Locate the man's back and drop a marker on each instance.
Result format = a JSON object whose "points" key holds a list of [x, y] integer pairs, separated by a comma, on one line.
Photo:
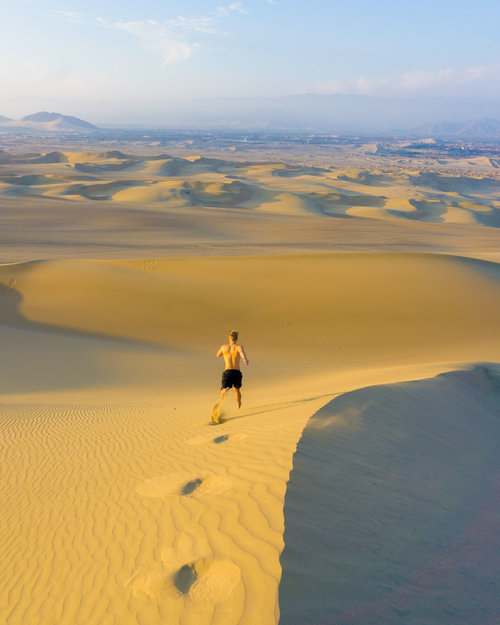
{"points": [[232, 353]]}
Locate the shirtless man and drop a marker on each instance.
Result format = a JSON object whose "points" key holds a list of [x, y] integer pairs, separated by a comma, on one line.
{"points": [[231, 376]]}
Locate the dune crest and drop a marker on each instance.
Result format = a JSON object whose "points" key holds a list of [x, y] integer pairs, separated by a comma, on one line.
{"points": [[391, 506]]}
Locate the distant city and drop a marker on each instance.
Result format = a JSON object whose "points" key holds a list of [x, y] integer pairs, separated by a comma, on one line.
{"points": [[57, 131]]}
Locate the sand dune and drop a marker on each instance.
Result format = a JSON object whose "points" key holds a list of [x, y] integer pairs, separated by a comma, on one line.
{"points": [[376, 305], [392, 505], [121, 501], [267, 186]]}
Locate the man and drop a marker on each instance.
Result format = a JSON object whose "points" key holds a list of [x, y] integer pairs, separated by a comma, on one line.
{"points": [[232, 376]]}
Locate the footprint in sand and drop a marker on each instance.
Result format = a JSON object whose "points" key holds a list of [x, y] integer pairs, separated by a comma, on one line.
{"points": [[222, 438], [191, 486], [202, 581], [184, 484], [207, 581], [186, 571], [237, 436]]}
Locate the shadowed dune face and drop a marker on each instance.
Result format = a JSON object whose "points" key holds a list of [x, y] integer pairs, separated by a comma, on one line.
{"points": [[293, 172], [102, 168], [462, 185], [42, 357], [338, 204], [392, 506], [424, 211], [30, 180], [367, 178], [267, 186]]}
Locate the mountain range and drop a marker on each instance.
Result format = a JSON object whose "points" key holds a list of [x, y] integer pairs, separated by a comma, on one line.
{"points": [[343, 115], [478, 129], [316, 113]]}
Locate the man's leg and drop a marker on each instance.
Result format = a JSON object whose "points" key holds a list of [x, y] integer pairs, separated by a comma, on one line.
{"points": [[238, 397]]}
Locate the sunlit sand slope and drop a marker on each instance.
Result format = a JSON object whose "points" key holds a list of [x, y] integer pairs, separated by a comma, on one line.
{"points": [[139, 512], [391, 512], [334, 310], [119, 502]]}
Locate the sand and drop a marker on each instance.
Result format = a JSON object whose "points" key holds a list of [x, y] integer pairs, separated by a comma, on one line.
{"points": [[413, 500], [358, 482]]}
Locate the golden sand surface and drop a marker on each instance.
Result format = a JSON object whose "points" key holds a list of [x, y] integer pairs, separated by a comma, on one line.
{"points": [[343, 489], [113, 204]]}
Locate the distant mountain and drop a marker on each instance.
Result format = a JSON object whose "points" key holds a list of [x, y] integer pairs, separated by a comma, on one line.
{"points": [[5, 119], [478, 129], [335, 113], [46, 122], [59, 120]]}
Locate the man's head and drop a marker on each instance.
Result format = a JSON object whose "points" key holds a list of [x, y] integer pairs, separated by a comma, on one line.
{"points": [[233, 336]]}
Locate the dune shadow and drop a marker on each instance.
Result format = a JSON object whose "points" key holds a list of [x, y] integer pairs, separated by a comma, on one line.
{"points": [[432, 212], [10, 301], [392, 505], [42, 357], [466, 186], [11, 315]]}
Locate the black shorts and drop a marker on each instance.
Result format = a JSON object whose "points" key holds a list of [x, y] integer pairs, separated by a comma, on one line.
{"points": [[231, 377]]}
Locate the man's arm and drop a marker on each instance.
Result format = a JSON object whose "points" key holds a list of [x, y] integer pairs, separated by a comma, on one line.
{"points": [[243, 355], [220, 352]]}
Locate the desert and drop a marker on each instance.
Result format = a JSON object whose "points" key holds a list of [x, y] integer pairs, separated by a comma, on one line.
{"points": [[358, 483]]}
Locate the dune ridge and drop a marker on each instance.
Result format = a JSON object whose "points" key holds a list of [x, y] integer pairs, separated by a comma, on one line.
{"points": [[391, 507]]}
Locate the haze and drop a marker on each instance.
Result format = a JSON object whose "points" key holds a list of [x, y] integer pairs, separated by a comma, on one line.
{"points": [[139, 63]]}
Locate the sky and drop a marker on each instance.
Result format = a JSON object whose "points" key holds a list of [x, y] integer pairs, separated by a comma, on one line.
{"points": [[108, 58]]}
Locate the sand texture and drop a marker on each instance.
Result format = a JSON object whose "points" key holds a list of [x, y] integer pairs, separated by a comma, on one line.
{"points": [[358, 483]]}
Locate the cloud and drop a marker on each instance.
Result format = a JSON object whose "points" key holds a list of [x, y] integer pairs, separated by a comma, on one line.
{"points": [[231, 8], [175, 39], [164, 37], [170, 38], [172, 49], [72, 16], [412, 83]]}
